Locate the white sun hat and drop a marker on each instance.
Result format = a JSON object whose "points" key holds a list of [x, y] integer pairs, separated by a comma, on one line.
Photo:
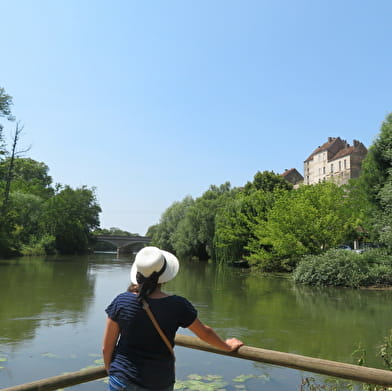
{"points": [[151, 259]]}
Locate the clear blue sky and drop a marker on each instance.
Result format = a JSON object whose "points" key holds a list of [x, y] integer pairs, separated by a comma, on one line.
{"points": [[151, 101]]}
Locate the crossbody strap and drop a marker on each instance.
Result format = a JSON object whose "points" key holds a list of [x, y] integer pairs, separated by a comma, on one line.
{"points": [[146, 307]]}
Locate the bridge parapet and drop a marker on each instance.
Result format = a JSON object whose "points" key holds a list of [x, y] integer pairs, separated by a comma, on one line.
{"points": [[125, 244]]}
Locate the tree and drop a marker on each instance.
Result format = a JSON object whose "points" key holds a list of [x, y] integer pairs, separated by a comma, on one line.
{"points": [[28, 176], [195, 233], [70, 216], [9, 175], [163, 233], [305, 221], [5, 110], [114, 231], [375, 183], [26, 214], [377, 165], [236, 222], [267, 181]]}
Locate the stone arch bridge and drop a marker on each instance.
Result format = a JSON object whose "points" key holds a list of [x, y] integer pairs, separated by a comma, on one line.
{"points": [[125, 244]]}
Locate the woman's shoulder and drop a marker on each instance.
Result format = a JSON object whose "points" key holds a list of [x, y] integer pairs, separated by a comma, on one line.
{"points": [[125, 303], [179, 300], [126, 297]]}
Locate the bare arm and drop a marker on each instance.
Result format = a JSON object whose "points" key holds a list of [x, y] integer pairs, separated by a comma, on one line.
{"points": [[110, 336], [207, 334]]}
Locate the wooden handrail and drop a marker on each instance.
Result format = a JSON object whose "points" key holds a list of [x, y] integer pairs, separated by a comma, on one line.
{"points": [[309, 364], [316, 365]]}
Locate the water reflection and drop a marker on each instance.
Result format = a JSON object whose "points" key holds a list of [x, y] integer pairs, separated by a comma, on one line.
{"points": [[265, 311], [41, 291], [274, 313]]}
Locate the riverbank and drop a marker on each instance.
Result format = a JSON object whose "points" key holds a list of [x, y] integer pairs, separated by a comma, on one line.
{"points": [[371, 269]]}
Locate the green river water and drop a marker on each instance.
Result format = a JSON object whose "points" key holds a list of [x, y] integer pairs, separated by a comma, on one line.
{"points": [[52, 318]]}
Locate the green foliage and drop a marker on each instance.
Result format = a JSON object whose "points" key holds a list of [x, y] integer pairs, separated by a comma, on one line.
{"points": [[38, 221], [376, 184], [70, 216], [162, 234], [385, 351], [195, 232], [44, 245], [5, 103], [237, 221], [27, 209], [113, 231], [267, 181], [345, 268], [29, 176], [188, 227], [333, 384], [5, 110], [310, 383], [376, 168], [305, 221], [8, 246]]}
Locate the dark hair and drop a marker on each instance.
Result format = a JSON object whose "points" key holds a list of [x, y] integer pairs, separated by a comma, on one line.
{"points": [[147, 285]]}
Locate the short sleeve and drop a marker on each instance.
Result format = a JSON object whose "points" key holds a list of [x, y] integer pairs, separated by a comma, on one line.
{"points": [[113, 310], [189, 313]]}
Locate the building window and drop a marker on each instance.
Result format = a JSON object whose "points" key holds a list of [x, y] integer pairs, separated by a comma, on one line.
{"points": [[331, 167], [340, 166], [319, 171], [324, 170], [344, 163]]}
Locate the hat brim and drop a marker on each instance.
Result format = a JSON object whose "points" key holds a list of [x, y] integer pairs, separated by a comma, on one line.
{"points": [[172, 266]]}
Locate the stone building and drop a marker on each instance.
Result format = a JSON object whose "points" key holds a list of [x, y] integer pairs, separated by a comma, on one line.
{"points": [[334, 160], [293, 176]]}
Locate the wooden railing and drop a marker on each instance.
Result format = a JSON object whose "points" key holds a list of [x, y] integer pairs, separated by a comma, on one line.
{"points": [[308, 364]]}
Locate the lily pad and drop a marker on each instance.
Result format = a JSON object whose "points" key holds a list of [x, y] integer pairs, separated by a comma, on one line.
{"points": [[3, 359], [243, 378], [99, 361], [199, 385], [195, 377], [212, 377]]}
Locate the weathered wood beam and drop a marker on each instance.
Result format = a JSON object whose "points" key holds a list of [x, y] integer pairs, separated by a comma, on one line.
{"points": [[308, 364]]}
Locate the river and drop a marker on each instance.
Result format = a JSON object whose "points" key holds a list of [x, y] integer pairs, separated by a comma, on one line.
{"points": [[52, 317]]}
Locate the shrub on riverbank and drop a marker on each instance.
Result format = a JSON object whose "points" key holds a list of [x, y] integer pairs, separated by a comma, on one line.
{"points": [[346, 268], [45, 245]]}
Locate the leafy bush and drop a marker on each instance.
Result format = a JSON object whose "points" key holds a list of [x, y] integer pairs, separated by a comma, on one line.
{"points": [[40, 246], [345, 268]]}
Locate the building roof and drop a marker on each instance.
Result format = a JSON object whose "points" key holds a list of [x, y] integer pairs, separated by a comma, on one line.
{"points": [[343, 152], [323, 147], [291, 170]]}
